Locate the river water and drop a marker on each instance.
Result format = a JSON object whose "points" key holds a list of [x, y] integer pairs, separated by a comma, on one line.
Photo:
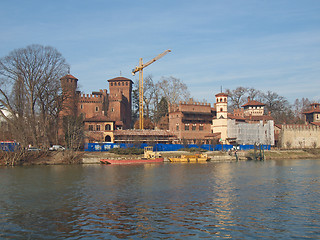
{"points": [[238, 200]]}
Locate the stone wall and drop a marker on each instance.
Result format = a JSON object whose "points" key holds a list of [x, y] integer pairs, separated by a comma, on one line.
{"points": [[299, 136]]}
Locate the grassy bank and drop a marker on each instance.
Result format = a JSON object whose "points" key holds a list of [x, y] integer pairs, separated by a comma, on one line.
{"points": [[23, 157], [71, 157]]}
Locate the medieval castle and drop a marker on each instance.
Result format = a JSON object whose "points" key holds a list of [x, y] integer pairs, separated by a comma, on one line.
{"points": [[107, 118]]}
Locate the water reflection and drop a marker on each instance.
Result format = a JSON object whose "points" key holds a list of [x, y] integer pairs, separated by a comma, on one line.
{"points": [[271, 199]]}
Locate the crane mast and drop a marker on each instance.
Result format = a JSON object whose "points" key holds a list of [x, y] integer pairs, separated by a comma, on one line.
{"points": [[140, 70]]}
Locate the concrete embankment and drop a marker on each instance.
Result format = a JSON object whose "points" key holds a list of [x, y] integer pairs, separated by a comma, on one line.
{"points": [[94, 157], [66, 157]]}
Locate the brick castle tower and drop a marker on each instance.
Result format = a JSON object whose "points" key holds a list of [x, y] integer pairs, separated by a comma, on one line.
{"points": [[113, 107]]}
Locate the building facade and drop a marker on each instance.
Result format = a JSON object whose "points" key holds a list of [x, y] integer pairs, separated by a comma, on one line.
{"points": [[312, 116], [191, 122], [248, 125], [102, 112]]}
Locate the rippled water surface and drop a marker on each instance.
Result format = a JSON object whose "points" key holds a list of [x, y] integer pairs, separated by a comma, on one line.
{"points": [[239, 200]]}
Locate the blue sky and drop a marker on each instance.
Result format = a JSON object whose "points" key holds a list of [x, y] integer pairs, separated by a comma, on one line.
{"points": [[269, 45]]}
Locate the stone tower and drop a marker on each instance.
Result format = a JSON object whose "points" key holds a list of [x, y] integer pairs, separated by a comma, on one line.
{"points": [[222, 105], [120, 91], [69, 86], [220, 122]]}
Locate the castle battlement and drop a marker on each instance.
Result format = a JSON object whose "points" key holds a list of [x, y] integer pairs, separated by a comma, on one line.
{"points": [[191, 102], [90, 98], [300, 127]]}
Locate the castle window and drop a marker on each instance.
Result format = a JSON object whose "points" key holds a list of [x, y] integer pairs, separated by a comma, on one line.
{"points": [[81, 106], [221, 109], [111, 84], [177, 127], [122, 83], [186, 127], [112, 109], [126, 83], [225, 100], [193, 127], [108, 127], [97, 109], [90, 127], [201, 128], [98, 127]]}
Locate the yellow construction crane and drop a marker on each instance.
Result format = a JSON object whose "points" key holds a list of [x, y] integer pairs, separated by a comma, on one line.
{"points": [[140, 70]]}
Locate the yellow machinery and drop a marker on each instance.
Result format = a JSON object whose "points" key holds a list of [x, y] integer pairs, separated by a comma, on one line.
{"points": [[140, 69], [150, 154]]}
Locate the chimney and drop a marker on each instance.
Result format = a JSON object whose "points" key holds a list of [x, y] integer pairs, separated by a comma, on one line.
{"points": [[248, 98]]}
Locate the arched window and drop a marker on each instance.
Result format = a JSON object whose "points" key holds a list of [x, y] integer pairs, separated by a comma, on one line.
{"points": [[108, 127], [107, 138], [221, 109]]}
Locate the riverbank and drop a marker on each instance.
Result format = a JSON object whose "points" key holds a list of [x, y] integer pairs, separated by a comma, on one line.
{"points": [[216, 156], [70, 157]]}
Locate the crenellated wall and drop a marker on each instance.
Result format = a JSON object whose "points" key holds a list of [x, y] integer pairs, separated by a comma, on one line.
{"points": [[299, 136], [190, 106], [90, 98]]}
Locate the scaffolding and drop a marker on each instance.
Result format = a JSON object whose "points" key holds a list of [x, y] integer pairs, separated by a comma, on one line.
{"points": [[251, 133]]}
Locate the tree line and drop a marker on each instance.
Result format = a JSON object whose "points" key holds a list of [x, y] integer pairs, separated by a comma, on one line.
{"points": [[30, 91], [278, 106], [157, 96]]}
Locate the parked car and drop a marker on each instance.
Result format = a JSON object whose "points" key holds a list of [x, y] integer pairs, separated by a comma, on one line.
{"points": [[34, 149], [57, 148]]}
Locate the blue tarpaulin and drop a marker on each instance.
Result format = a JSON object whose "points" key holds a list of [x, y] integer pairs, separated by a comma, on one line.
{"points": [[92, 147], [8, 146]]}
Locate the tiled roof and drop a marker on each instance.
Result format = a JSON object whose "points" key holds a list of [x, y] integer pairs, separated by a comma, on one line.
{"points": [[316, 123], [69, 76], [221, 94], [259, 118], [278, 126], [317, 110], [99, 118], [230, 116], [253, 103]]}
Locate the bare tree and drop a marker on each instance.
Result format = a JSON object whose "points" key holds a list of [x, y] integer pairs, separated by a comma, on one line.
{"points": [[157, 96], [237, 97], [279, 107], [31, 79], [173, 89], [300, 106], [149, 94], [254, 94]]}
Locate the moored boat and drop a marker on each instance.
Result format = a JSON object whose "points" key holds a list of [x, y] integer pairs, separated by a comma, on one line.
{"points": [[149, 157], [191, 158], [131, 161]]}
